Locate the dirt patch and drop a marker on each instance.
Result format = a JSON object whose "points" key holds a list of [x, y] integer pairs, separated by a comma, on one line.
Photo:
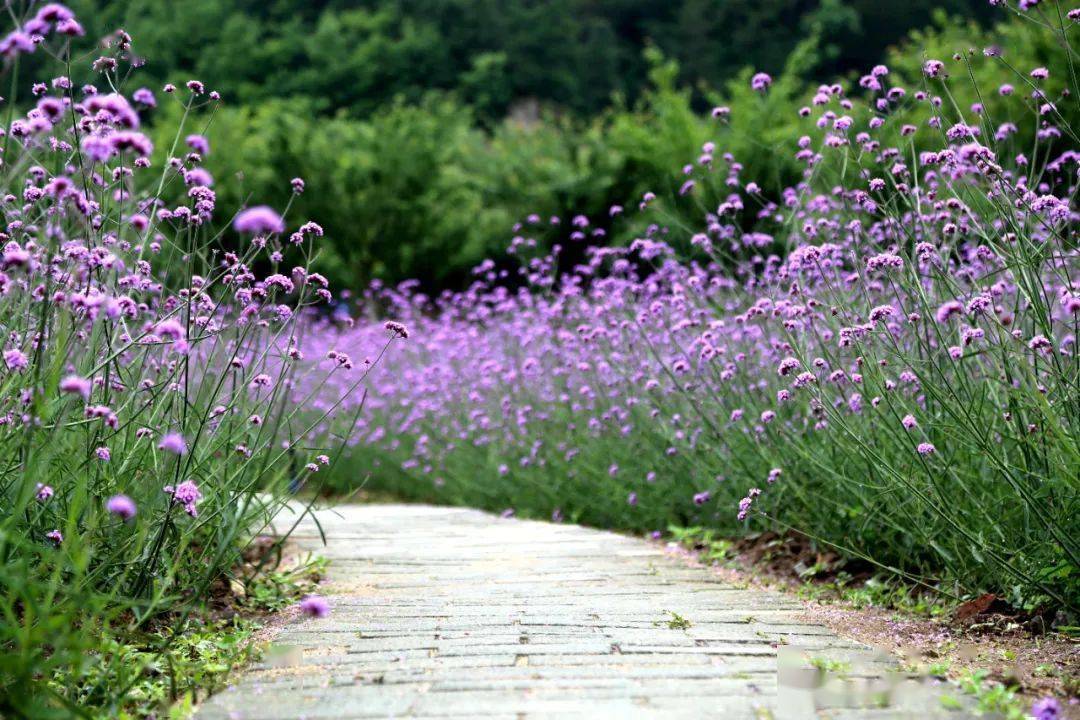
{"points": [[951, 640], [1035, 665]]}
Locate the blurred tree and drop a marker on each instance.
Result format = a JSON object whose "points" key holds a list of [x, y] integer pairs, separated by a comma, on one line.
{"points": [[355, 55], [426, 129]]}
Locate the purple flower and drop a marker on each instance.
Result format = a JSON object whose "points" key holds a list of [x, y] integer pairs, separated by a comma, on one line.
{"points": [[44, 492], [933, 68], [55, 536], [787, 365], [908, 421], [198, 143], [882, 312], [315, 606], [16, 360], [948, 310], [70, 27], [173, 442], [76, 385], [631, 499], [926, 449], [1037, 343], [15, 255], [883, 260], [54, 12], [702, 497], [144, 96], [1048, 708], [198, 176], [186, 494], [130, 140], [397, 329], [170, 329], [259, 220], [103, 454], [761, 81], [122, 506]]}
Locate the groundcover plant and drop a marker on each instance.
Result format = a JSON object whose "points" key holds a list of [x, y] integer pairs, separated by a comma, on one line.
{"points": [[884, 357], [154, 402]]}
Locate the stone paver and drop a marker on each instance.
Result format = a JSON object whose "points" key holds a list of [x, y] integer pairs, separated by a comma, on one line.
{"points": [[453, 613]]}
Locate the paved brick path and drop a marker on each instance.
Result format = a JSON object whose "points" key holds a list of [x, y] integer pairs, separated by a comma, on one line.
{"points": [[445, 612]]}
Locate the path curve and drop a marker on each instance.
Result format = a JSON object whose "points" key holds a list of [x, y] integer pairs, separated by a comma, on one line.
{"points": [[454, 613]]}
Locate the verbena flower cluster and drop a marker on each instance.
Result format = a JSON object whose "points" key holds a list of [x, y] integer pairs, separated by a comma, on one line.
{"points": [[884, 357], [154, 402]]}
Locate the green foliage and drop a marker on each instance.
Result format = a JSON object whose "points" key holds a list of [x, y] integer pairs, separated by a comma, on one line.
{"points": [[430, 183], [426, 128], [356, 56], [831, 666], [710, 545], [991, 698], [415, 190], [276, 589], [676, 621], [159, 670]]}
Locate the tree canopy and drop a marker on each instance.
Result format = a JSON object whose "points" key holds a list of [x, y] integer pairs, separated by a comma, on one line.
{"points": [[356, 55]]}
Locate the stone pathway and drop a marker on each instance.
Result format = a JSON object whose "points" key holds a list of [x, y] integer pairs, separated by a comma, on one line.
{"points": [[453, 613]]}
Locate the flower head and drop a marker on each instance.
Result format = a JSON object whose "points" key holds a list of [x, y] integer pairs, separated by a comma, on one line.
{"points": [[173, 442], [259, 220], [77, 386], [186, 494], [121, 506], [198, 143], [933, 68], [397, 329], [315, 606], [1048, 708], [16, 360]]}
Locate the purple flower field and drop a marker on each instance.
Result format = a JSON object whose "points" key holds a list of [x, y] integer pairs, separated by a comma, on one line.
{"points": [[883, 356]]}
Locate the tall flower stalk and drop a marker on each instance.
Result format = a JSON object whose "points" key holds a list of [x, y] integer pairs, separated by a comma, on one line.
{"points": [[155, 407]]}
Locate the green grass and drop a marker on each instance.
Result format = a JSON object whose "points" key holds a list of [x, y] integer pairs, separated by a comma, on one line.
{"points": [[164, 673], [991, 698], [676, 621]]}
